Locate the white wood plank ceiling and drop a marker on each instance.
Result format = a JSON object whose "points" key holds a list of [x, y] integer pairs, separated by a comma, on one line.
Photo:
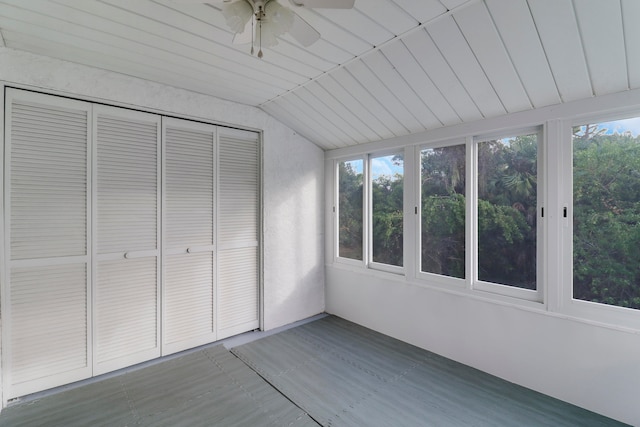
{"points": [[383, 69]]}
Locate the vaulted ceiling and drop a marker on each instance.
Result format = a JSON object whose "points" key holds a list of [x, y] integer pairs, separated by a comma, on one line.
{"points": [[383, 69]]}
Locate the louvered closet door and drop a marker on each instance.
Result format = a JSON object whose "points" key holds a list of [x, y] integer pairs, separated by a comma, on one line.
{"points": [[126, 226], [45, 309], [238, 255], [188, 227]]}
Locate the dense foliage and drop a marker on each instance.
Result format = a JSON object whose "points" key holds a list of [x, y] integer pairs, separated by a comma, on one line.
{"points": [[506, 211], [606, 215], [350, 209]]}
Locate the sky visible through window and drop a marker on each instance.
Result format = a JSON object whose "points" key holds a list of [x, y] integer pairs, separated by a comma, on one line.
{"points": [[622, 126], [384, 165], [381, 166]]}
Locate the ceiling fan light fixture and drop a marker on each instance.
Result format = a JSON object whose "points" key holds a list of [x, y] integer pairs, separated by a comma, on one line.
{"points": [[265, 37], [261, 22], [279, 18], [237, 14]]}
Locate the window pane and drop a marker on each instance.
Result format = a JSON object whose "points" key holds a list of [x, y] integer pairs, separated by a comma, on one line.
{"points": [[443, 210], [507, 195], [350, 209], [606, 213], [386, 198]]}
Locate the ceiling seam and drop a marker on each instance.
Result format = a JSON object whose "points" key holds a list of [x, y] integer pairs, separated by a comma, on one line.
{"points": [[394, 93], [400, 8], [355, 116], [327, 120], [378, 47], [383, 107], [401, 75], [430, 78], [457, 77], [484, 72], [508, 53], [546, 55], [624, 41], [363, 105], [351, 130], [584, 50]]}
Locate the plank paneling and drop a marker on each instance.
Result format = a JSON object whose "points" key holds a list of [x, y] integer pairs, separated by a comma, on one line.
{"points": [[558, 29], [600, 25], [406, 65], [415, 106], [461, 58], [480, 58], [427, 54], [482, 36], [518, 32]]}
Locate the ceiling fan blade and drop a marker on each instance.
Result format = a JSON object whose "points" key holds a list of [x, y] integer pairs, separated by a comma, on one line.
{"points": [[325, 4], [304, 33], [245, 36], [213, 2]]}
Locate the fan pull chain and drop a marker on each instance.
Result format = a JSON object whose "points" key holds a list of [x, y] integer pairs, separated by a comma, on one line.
{"points": [[260, 51], [253, 41]]}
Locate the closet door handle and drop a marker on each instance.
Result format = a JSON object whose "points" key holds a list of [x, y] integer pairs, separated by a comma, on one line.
{"points": [[188, 250], [126, 255]]}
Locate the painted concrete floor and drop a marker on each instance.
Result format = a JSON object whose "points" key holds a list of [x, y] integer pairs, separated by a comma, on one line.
{"points": [[323, 371]]}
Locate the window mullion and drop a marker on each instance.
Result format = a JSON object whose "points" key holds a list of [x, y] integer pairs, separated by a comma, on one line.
{"points": [[367, 206], [471, 223], [556, 171], [410, 211]]}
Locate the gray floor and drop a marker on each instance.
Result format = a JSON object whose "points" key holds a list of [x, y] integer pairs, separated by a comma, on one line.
{"points": [[210, 387], [328, 371], [342, 374]]}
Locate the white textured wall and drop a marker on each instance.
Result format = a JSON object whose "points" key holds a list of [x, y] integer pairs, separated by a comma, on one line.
{"points": [[293, 171]]}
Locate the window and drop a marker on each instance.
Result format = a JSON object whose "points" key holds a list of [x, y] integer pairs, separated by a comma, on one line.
{"points": [[387, 179], [443, 202], [507, 211], [472, 215], [350, 196], [606, 213]]}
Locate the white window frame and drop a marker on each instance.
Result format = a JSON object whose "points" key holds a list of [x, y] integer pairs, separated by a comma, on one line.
{"points": [[554, 295], [368, 213], [536, 295], [336, 209], [566, 304], [439, 279]]}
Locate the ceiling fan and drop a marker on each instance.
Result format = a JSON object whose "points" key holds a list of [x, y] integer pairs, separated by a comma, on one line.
{"points": [[261, 22]]}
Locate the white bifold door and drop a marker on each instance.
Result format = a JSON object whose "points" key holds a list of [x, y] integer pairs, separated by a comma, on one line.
{"points": [[46, 309], [238, 230], [126, 277], [211, 227], [128, 236], [189, 234]]}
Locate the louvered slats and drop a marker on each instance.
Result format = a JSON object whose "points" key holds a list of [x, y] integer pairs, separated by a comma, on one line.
{"points": [[48, 320], [45, 312], [127, 271], [188, 298], [188, 188], [238, 211], [79, 173], [126, 312], [188, 230], [48, 181], [127, 184], [238, 229], [238, 289]]}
